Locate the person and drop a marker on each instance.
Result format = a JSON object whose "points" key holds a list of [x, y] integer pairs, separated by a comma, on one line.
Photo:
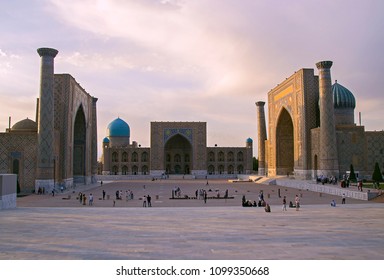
{"points": [[333, 203], [297, 202], [144, 201], [84, 199], [103, 192], [205, 197], [343, 199], [81, 197], [284, 204], [149, 201], [267, 208], [90, 199]]}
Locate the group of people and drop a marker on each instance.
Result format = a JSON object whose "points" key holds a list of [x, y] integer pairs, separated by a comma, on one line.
{"points": [[323, 180], [147, 201], [291, 205], [83, 199], [119, 195]]}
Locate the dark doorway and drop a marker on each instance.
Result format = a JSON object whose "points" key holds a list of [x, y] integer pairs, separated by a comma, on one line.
{"points": [[178, 155], [284, 144], [79, 147]]}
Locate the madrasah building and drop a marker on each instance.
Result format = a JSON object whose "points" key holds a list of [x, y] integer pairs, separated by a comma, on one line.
{"points": [[312, 131], [177, 149], [59, 148]]}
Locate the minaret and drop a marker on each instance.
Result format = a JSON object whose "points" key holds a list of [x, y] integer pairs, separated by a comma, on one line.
{"points": [[261, 137], [94, 141], [328, 158], [45, 149]]}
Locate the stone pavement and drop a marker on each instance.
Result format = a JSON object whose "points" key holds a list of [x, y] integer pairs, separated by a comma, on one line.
{"points": [[45, 227]]}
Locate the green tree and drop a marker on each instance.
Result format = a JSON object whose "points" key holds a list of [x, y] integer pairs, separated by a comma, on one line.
{"points": [[352, 175], [377, 176], [255, 164]]}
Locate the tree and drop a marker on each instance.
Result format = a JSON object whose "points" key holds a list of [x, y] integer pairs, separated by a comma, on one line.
{"points": [[352, 175], [377, 176]]}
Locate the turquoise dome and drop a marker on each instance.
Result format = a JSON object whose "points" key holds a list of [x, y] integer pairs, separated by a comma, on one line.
{"points": [[118, 128], [106, 140], [249, 140], [342, 97]]}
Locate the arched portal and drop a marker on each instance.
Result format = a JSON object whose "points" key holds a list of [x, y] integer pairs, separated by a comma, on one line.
{"points": [[79, 147], [178, 155], [284, 144]]}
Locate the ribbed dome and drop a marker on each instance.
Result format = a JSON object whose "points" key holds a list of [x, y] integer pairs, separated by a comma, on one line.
{"points": [[118, 128], [342, 97], [25, 125]]}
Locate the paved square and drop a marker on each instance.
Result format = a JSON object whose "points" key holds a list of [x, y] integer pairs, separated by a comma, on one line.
{"points": [[190, 229]]}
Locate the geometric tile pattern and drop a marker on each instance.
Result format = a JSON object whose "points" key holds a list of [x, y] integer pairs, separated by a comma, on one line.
{"points": [[261, 135], [328, 149], [319, 144], [23, 147], [45, 161], [170, 140]]}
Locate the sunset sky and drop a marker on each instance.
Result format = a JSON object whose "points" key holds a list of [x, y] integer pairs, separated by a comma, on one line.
{"points": [[189, 60]]}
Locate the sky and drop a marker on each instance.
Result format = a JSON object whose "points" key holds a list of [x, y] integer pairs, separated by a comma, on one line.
{"points": [[189, 60]]}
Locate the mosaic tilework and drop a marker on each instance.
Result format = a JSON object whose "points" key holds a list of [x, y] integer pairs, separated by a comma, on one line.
{"points": [[23, 147]]}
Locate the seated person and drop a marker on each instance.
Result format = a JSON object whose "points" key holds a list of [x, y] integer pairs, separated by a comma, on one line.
{"points": [[267, 208], [333, 203]]}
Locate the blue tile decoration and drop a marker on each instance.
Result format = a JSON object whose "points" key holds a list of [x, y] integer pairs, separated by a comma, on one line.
{"points": [[170, 132]]}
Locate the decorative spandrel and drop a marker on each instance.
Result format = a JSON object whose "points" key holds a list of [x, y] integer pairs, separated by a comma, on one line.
{"points": [[170, 132]]}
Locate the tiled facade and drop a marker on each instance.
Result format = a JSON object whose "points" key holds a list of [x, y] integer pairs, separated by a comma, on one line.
{"points": [[177, 148], [58, 152], [297, 145]]}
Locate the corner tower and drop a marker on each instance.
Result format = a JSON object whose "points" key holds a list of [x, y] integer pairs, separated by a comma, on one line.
{"points": [[45, 153], [328, 157]]}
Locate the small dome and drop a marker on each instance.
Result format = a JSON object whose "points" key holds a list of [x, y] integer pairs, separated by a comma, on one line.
{"points": [[118, 128], [342, 97], [106, 140], [249, 140], [25, 125]]}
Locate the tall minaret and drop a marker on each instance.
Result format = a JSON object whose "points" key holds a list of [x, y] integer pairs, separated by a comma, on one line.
{"points": [[261, 137], [94, 141], [45, 149], [328, 158]]}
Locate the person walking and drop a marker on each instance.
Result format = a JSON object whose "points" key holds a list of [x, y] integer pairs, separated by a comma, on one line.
{"points": [[297, 202], [343, 199], [284, 204]]}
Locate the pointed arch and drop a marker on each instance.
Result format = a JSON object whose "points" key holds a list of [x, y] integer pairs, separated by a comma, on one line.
{"points": [[79, 146], [284, 143], [177, 152]]}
